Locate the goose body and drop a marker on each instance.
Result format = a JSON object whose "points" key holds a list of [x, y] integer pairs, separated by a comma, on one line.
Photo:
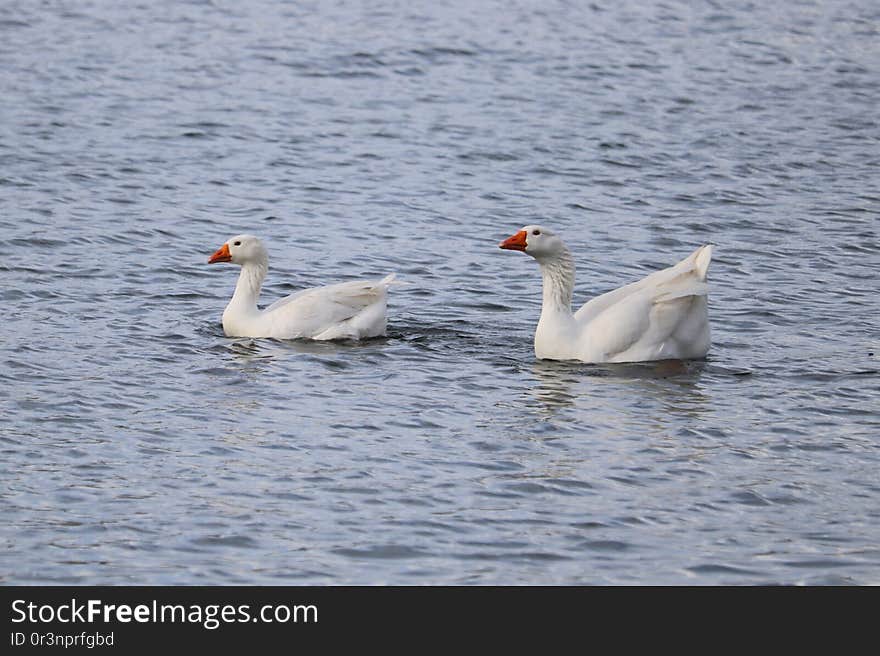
{"points": [[347, 310], [662, 316]]}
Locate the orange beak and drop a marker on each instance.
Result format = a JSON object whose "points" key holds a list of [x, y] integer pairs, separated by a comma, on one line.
{"points": [[515, 242], [222, 255]]}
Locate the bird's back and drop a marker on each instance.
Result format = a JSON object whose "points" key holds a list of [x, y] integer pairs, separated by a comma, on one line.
{"points": [[347, 310], [663, 315]]}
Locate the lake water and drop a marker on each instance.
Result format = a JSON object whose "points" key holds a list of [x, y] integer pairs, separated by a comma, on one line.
{"points": [[142, 446]]}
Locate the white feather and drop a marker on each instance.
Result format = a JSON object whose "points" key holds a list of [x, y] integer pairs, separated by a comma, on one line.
{"points": [[662, 316], [346, 310]]}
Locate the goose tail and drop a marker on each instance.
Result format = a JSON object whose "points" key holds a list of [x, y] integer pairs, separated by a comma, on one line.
{"points": [[702, 257]]}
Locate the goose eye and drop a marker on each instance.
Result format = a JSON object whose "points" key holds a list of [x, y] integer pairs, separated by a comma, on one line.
{"points": [[238, 243], [536, 232]]}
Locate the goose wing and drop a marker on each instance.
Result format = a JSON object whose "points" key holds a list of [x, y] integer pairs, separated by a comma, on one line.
{"points": [[323, 312], [663, 315]]}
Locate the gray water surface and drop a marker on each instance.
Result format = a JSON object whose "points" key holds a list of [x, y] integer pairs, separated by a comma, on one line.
{"points": [[140, 445]]}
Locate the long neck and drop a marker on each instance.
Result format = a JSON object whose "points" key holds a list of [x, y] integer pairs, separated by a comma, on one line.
{"points": [[250, 281], [558, 274]]}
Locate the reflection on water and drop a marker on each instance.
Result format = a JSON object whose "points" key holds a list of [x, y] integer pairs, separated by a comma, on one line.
{"points": [[671, 386], [250, 348]]}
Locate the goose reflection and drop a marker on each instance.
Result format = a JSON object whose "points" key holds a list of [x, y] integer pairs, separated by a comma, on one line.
{"points": [[672, 385], [247, 349]]}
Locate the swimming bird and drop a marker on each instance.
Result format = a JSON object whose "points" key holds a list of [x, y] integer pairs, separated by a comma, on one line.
{"points": [[662, 316], [347, 310]]}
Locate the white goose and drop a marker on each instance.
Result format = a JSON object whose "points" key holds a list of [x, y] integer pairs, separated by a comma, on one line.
{"points": [[348, 310], [662, 316]]}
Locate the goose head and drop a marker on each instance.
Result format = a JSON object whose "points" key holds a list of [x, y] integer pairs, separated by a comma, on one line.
{"points": [[539, 242], [241, 249]]}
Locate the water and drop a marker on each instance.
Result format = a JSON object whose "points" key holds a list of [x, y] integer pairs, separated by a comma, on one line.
{"points": [[140, 445]]}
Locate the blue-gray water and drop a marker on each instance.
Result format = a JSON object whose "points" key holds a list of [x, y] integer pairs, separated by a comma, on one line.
{"points": [[140, 445]]}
